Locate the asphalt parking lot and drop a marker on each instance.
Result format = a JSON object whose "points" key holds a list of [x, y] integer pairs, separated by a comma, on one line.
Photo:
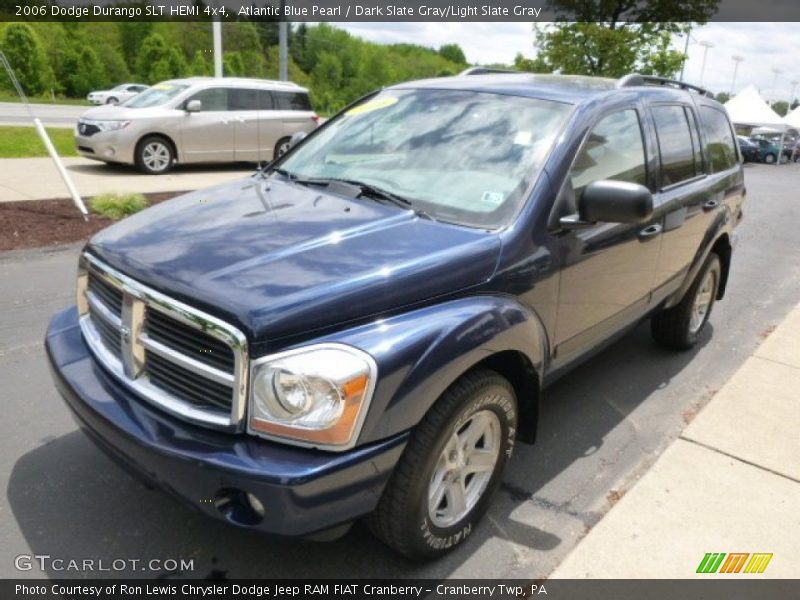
{"points": [[601, 427]]}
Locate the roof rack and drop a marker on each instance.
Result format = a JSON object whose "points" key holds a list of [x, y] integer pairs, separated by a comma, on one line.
{"points": [[636, 80], [484, 71]]}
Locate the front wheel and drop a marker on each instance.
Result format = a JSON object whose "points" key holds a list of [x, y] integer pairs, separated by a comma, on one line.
{"points": [[282, 147], [769, 158], [679, 327], [112, 100], [154, 155], [452, 464]]}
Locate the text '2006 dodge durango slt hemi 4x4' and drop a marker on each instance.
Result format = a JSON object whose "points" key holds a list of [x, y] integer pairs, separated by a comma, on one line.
{"points": [[364, 327]]}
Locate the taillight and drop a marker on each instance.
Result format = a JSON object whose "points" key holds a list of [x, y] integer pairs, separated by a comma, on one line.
{"points": [[315, 118]]}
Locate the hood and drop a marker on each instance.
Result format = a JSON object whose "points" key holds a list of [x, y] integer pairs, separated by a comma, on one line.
{"points": [[116, 112], [280, 259]]}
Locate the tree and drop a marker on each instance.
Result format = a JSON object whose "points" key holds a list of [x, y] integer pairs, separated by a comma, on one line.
{"points": [[722, 97], [781, 107], [453, 53], [27, 57], [615, 37], [153, 50], [532, 65], [232, 64], [170, 66], [199, 66]]}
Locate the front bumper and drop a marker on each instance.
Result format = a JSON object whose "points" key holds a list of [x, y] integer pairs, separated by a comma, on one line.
{"points": [[303, 491], [107, 146]]}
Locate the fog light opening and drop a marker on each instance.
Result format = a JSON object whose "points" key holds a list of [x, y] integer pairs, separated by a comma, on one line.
{"points": [[239, 507]]}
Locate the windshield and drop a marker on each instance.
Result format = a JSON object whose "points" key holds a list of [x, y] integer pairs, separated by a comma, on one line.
{"points": [[156, 95], [459, 156]]}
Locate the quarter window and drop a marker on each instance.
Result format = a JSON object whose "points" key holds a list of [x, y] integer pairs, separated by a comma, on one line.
{"points": [[719, 137], [674, 144], [613, 150], [292, 101]]}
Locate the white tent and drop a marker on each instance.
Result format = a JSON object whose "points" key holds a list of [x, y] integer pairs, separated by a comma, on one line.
{"points": [[793, 118], [749, 108]]}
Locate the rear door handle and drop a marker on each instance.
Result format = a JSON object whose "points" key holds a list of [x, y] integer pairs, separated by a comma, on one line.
{"points": [[650, 232], [711, 205]]}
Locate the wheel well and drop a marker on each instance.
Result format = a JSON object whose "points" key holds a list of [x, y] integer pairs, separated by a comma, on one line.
{"points": [[164, 137], [722, 248], [517, 368]]}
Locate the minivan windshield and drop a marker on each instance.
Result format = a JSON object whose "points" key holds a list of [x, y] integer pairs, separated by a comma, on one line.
{"points": [[460, 156], [156, 95]]}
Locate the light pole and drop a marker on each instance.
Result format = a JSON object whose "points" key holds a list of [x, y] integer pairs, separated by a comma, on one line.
{"points": [[706, 45], [736, 59], [775, 82], [794, 83], [685, 51]]}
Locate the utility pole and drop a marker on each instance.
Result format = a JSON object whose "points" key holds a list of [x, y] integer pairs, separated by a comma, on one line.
{"points": [[794, 83], [706, 46], [216, 27], [283, 45], [685, 51], [736, 59]]}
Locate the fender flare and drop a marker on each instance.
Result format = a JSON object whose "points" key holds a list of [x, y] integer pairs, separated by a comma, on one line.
{"points": [[420, 353]]}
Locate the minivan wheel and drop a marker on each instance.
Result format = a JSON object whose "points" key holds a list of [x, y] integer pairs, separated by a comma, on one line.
{"points": [[769, 158], [679, 327], [282, 147], [112, 100], [154, 155], [452, 464]]}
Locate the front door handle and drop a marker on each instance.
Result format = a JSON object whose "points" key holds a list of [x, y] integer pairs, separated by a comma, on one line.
{"points": [[711, 205], [648, 233]]}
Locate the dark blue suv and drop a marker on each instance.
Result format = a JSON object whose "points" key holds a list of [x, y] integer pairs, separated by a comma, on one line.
{"points": [[364, 328]]}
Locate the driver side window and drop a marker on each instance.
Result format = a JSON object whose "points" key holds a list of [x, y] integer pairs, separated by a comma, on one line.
{"points": [[613, 150]]}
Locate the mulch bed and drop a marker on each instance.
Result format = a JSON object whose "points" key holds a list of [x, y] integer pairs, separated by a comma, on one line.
{"points": [[37, 223]]}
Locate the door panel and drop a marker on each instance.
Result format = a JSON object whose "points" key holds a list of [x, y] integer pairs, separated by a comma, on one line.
{"points": [[243, 104], [607, 269], [208, 135]]}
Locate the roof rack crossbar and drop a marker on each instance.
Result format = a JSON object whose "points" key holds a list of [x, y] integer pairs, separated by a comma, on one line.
{"points": [[635, 80]]}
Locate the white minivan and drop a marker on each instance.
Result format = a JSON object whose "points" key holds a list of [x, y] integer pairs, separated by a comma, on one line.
{"points": [[197, 120]]}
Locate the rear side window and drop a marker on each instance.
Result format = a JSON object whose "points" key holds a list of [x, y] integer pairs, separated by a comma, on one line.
{"points": [[674, 144], [613, 150], [265, 100], [243, 99], [292, 101], [719, 137]]}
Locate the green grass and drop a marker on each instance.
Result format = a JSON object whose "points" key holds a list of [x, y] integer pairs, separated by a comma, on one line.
{"points": [[24, 142], [6, 96], [115, 205]]}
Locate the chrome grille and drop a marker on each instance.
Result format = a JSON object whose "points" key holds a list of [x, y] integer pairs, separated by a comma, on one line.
{"points": [[177, 357]]}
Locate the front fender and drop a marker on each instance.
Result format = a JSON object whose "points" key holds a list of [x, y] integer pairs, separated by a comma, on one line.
{"points": [[420, 353]]}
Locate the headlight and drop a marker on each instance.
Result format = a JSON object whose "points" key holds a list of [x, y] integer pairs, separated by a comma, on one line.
{"points": [[317, 395], [110, 125]]}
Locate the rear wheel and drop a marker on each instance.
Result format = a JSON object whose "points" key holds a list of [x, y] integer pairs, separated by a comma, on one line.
{"points": [[154, 155], [679, 327], [452, 464], [282, 147], [769, 158]]}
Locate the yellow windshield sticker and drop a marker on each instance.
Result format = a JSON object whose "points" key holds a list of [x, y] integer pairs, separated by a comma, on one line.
{"points": [[162, 86], [376, 104]]}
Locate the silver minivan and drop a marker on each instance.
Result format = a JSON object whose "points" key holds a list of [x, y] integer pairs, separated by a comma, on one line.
{"points": [[197, 120]]}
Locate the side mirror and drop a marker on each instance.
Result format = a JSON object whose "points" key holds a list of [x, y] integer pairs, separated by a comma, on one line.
{"points": [[611, 201], [297, 138], [194, 106]]}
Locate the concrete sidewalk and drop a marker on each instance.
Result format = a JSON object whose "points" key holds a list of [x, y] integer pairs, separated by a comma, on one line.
{"points": [[38, 179], [730, 483]]}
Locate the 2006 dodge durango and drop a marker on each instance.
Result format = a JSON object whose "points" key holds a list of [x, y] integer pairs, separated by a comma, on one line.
{"points": [[364, 327]]}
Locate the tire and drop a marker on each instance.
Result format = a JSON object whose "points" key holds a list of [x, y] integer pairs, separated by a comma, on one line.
{"points": [[281, 147], [154, 155], [769, 158], [481, 401], [112, 100], [679, 327]]}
